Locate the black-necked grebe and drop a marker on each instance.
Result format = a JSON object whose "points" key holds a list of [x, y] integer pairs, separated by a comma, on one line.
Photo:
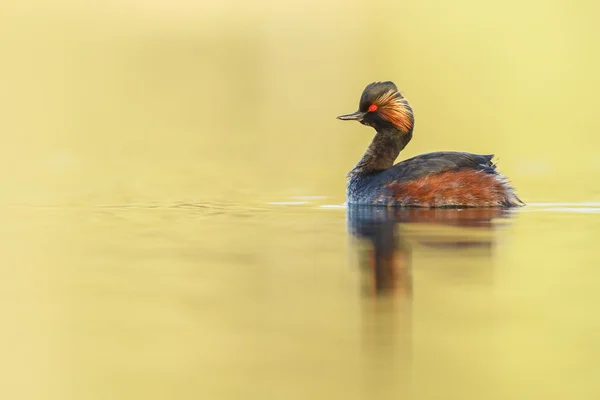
{"points": [[440, 179]]}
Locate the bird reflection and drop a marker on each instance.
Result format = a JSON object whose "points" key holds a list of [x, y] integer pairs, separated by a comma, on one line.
{"points": [[384, 244]]}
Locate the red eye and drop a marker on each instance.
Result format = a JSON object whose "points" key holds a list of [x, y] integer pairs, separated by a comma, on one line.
{"points": [[372, 108]]}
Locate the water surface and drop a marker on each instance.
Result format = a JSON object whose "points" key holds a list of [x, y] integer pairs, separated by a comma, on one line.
{"points": [[302, 301]]}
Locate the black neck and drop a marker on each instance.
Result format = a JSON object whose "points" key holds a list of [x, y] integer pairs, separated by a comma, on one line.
{"points": [[383, 151]]}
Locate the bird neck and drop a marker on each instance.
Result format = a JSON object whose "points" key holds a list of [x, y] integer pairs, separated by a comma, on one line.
{"points": [[382, 152]]}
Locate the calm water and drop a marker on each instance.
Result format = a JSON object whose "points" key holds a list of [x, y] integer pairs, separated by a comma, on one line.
{"points": [[301, 301]]}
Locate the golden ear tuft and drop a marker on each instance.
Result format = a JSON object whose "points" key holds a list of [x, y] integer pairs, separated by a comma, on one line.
{"points": [[395, 109]]}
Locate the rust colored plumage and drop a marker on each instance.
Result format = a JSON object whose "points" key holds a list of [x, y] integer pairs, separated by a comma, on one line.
{"points": [[465, 188]]}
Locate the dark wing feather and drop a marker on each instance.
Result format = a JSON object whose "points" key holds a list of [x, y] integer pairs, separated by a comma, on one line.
{"points": [[435, 163]]}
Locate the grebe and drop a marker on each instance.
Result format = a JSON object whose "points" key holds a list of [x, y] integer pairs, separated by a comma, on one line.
{"points": [[439, 179]]}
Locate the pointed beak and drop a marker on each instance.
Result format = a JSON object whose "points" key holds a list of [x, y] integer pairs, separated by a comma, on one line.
{"points": [[357, 116]]}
